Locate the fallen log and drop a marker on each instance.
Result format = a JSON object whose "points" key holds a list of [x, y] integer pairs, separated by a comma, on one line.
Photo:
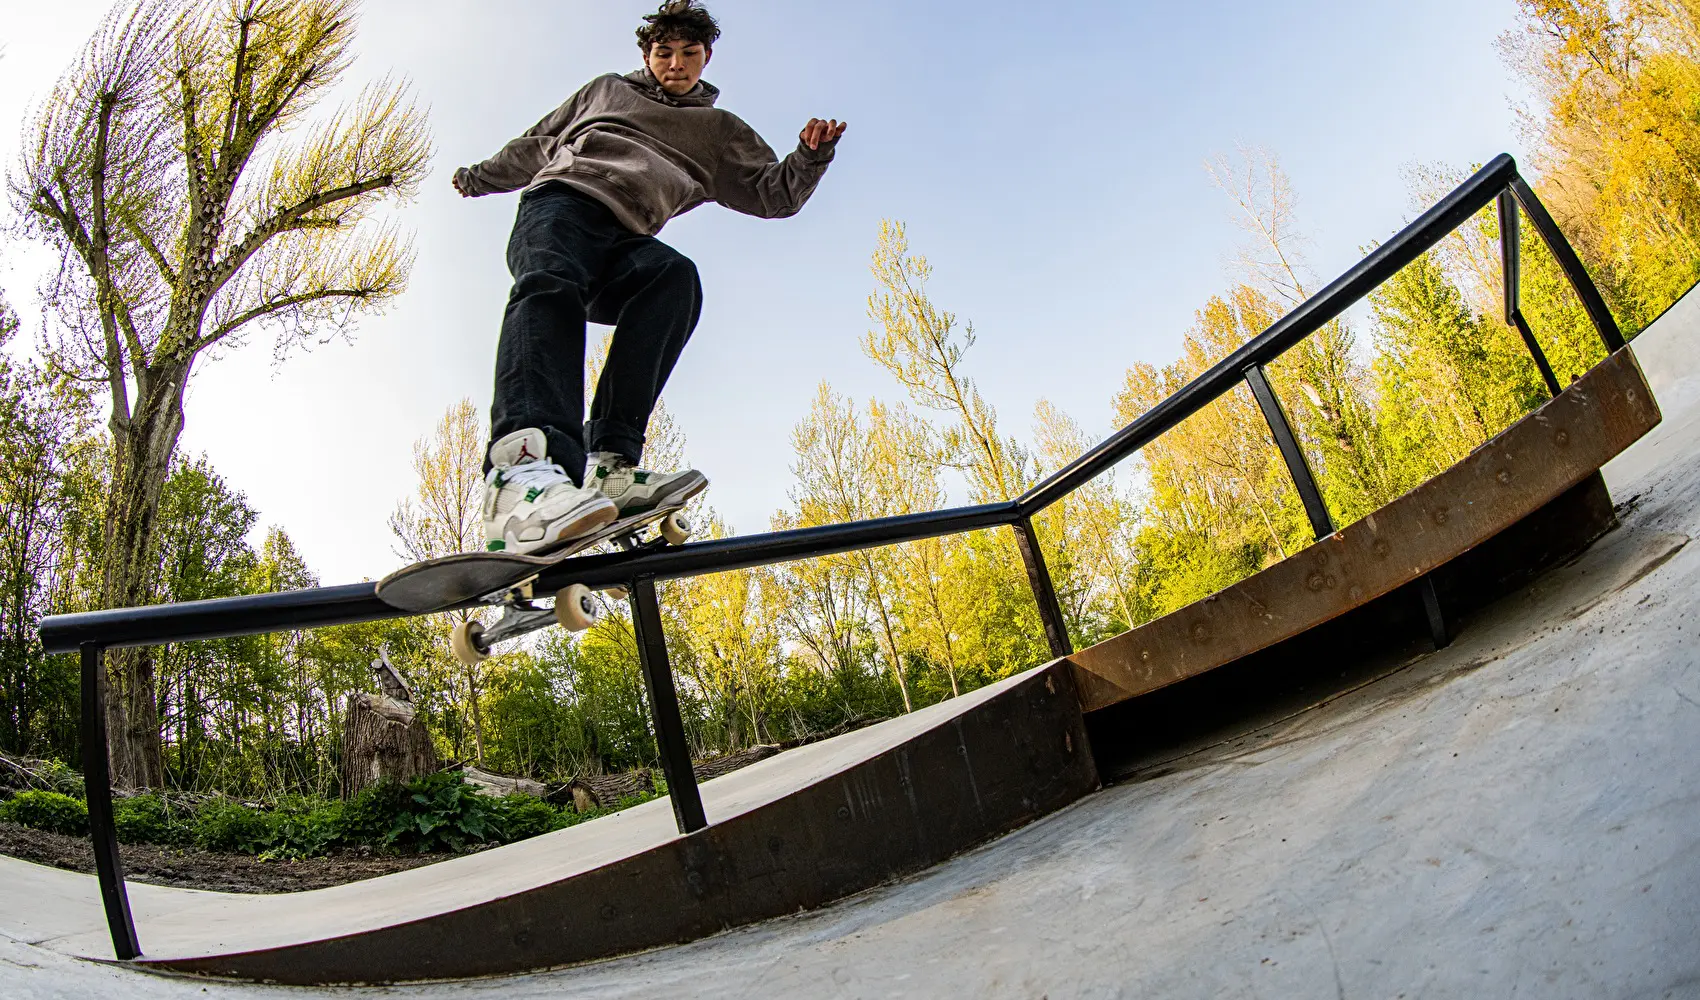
{"points": [[491, 783], [604, 791]]}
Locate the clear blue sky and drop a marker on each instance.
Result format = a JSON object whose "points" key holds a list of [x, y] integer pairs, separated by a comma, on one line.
{"points": [[1047, 158]]}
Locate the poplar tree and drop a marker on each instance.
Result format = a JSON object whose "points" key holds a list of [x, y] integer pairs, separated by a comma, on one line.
{"points": [[172, 171]]}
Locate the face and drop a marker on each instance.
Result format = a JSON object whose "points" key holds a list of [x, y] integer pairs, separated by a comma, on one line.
{"points": [[678, 64]]}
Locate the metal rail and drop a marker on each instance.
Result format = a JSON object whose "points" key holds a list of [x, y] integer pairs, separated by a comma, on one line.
{"points": [[92, 633]]}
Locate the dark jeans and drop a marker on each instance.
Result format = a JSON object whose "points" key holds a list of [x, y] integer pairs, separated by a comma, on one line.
{"points": [[573, 262]]}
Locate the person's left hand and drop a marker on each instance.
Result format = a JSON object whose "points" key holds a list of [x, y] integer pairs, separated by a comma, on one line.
{"points": [[819, 130]]}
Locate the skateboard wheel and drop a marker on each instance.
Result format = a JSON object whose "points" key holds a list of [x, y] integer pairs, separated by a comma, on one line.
{"points": [[617, 593], [465, 641], [576, 608], [676, 528]]}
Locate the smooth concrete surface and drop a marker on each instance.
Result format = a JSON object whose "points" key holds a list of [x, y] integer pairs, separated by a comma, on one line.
{"points": [[1518, 815]]}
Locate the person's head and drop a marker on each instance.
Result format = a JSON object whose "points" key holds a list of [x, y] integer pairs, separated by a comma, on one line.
{"points": [[677, 42]]}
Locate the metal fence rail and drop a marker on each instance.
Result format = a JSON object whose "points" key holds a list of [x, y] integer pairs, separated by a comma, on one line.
{"points": [[92, 633]]}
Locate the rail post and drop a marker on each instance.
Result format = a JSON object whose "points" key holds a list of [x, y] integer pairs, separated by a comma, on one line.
{"points": [[664, 708], [1044, 590], [1297, 466], [1438, 631], [1511, 261], [97, 791], [1569, 263]]}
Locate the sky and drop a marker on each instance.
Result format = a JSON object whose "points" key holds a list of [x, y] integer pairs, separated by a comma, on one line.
{"points": [[1048, 158]]}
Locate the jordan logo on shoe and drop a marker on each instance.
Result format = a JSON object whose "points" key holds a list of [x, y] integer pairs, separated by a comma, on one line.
{"points": [[524, 454]]}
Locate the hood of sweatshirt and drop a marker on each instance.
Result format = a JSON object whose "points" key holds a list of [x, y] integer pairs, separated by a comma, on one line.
{"points": [[703, 95]]}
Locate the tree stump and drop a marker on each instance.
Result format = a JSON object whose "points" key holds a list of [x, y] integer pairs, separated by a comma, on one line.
{"points": [[383, 740]]}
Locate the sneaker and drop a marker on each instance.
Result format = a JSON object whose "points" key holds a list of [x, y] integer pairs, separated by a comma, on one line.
{"points": [[529, 503], [639, 491]]}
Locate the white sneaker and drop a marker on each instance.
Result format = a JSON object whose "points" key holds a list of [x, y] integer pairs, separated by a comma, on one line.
{"points": [[529, 503], [639, 491]]}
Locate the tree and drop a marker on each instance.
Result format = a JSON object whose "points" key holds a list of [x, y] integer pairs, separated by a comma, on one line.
{"points": [[1089, 534], [168, 172], [1330, 408], [1616, 138], [919, 345], [43, 430]]}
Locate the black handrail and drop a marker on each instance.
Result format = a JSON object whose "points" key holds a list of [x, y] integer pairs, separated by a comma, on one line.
{"points": [[232, 616], [93, 632]]}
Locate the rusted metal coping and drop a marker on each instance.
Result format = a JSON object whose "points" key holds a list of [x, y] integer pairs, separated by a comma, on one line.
{"points": [[1505, 480]]}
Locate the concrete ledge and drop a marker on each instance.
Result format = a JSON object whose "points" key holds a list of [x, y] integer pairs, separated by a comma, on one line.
{"points": [[1003, 759], [1507, 479]]}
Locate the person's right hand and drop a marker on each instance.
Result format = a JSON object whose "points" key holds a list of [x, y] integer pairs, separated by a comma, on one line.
{"points": [[820, 130], [458, 186]]}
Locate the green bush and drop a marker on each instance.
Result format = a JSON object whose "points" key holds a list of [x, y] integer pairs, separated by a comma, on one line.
{"points": [[151, 819], [441, 812], [64, 779], [366, 818], [522, 816], [49, 811], [304, 828], [231, 826]]}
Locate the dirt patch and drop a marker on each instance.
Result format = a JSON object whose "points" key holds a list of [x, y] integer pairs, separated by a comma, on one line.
{"points": [[195, 869]]}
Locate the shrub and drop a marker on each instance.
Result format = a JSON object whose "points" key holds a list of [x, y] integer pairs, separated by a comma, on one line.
{"points": [[49, 811], [441, 812], [223, 825], [64, 779], [367, 817], [522, 816], [151, 819], [304, 828]]}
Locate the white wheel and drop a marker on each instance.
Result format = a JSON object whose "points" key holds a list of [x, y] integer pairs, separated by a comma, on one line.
{"points": [[464, 641], [676, 528], [576, 608], [617, 593]]}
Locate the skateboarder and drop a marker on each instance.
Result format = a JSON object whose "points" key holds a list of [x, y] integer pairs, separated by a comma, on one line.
{"points": [[601, 175]]}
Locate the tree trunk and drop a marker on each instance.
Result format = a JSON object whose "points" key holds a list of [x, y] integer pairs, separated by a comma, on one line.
{"points": [[383, 740], [143, 447]]}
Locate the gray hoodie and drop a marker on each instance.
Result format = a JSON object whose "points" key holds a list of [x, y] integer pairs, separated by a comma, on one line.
{"points": [[650, 156]]}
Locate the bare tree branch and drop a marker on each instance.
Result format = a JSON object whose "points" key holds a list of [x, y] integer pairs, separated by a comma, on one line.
{"points": [[288, 219], [276, 306]]}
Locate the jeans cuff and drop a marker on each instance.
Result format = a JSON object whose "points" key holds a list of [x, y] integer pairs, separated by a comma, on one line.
{"points": [[608, 434]]}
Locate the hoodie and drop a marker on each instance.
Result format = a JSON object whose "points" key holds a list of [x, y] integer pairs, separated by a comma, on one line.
{"points": [[649, 155]]}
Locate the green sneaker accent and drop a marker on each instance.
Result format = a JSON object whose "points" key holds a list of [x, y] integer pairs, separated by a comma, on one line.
{"points": [[532, 494], [495, 546], [640, 478]]}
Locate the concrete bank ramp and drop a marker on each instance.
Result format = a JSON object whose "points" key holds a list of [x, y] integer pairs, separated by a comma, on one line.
{"points": [[793, 831]]}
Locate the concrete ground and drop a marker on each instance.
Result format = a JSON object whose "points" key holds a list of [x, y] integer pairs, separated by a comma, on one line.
{"points": [[1518, 815]]}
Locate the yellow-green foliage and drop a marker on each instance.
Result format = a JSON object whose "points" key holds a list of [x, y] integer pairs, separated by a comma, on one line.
{"points": [[1619, 138]]}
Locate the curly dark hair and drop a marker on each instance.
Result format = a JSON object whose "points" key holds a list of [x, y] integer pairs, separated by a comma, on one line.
{"points": [[676, 21]]}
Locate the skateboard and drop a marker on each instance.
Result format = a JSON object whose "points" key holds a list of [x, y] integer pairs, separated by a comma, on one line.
{"points": [[504, 580]]}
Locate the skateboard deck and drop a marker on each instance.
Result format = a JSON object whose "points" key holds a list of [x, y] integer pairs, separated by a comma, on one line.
{"points": [[442, 583]]}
